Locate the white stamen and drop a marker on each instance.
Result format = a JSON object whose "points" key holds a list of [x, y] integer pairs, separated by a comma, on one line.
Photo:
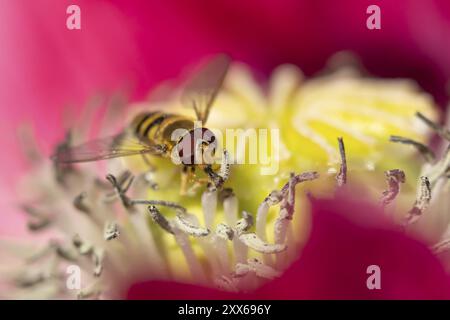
{"points": [[394, 178], [64, 252], [79, 203], [30, 278], [253, 241], [111, 231], [97, 256], [262, 270], [93, 291], [220, 239], [287, 205], [186, 226], [83, 247], [281, 225], [241, 269], [146, 243], [227, 284], [422, 202], [224, 232], [159, 219], [441, 247], [38, 220], [209, 205], [220, 248], [261, 219], [191, 259], [230, 208], [224, 171], [245, 223]]}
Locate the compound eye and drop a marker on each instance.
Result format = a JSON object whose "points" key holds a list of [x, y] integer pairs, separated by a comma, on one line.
{"points": [[186, 149], [208, 136], [199, 137], [210, 139]]}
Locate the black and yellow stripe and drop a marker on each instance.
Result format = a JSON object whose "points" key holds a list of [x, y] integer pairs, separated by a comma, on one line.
{"points": [[157, 127]]}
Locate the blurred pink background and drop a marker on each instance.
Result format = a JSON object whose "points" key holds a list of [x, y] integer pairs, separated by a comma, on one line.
{"points": [[133, 45]]}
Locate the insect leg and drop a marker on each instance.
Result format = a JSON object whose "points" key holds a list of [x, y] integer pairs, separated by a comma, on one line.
{"points": [[185, 174], [218, 179], [198, 183]]}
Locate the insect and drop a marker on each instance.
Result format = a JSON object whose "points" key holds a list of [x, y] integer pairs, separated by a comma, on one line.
{"points": [[152, 133]]}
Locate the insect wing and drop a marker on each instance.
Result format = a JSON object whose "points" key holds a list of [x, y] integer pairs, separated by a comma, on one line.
{"points": [[201, 90], [121, 145]]}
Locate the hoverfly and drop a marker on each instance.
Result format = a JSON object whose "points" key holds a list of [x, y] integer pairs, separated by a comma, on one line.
{"points": [[151, 133]]}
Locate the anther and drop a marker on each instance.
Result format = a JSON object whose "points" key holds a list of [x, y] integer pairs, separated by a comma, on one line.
{"points": [[252, 241], [341, 177], [394, 178], [422, 201], [188, 227], [164, 203], [159, 219], [79, 203], [111, 231], [224, 231], [245, 223]]}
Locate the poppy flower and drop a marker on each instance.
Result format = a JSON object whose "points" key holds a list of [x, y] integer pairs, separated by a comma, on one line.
{"points": [[133, 47], [122, 228]]}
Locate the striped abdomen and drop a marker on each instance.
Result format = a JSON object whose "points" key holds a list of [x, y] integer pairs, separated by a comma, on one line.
{"points": [[157, 127]]}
